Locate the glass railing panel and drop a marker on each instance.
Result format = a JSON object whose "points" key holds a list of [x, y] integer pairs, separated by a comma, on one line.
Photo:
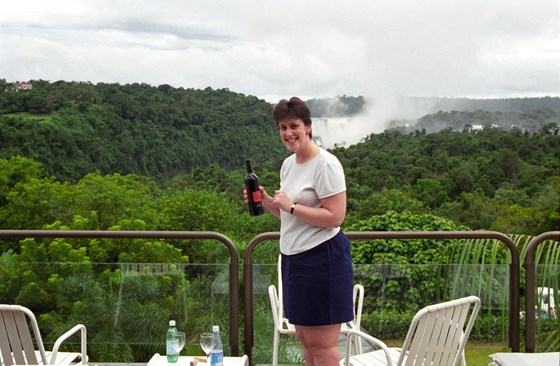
{"points": [[126, 307], [393, 294], [547, 298]]}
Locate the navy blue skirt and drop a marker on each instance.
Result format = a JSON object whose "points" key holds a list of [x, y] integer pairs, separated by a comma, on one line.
{"points": [[318, 284]]}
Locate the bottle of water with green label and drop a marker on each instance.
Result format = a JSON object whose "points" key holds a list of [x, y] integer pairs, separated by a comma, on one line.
{"points": [[217, 348], [171, 343]]}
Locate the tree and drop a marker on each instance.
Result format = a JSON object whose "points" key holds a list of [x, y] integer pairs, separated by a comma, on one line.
{"points": [[430, 192], [16, 170], [477, 211], [111, 198], [28, 198], [550, 128], [395, 261], [378, 203]]}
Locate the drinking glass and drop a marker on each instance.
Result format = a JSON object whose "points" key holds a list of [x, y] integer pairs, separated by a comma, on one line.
{"points": [[181, 338], [206, 343]]}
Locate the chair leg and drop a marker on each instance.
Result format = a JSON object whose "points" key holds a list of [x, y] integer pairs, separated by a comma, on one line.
{"points": [[357, 345], [275, 348]]}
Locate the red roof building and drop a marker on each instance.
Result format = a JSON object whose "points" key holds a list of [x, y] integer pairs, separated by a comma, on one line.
{"points": [[22, 85]]}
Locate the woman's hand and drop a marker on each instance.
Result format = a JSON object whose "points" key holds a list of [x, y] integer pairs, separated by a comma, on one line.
{"points": [[330, 214], [261, 188], [268, 201], [282, 201]]}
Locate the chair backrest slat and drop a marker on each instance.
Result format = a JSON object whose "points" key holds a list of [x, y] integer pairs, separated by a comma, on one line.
{"points": [[25, 338], [419, 340], [444, 320], [5, 352], [434, 347], [448, 344], [450, 356], [13, 339]]}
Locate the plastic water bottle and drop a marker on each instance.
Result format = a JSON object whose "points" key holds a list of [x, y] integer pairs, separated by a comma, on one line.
{"points": [[171, 344], [217, 348]]}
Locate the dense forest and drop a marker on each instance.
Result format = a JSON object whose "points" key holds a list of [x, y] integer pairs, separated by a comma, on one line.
{"points": [[81, 156], [492, 177], [76, 128]]}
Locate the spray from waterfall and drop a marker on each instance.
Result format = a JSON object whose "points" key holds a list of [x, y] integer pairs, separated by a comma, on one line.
{"points": [[330, 132]]}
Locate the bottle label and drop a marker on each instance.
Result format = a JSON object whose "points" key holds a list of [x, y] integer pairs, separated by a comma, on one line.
{"points": [[172, 348], [216, 359], [257, 196]]}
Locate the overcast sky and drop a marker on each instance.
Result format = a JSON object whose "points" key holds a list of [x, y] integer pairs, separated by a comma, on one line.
{"points": [[274, 49]]}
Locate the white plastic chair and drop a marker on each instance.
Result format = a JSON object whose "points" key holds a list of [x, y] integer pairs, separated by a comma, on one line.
{"points": [[282, 326], [16, 341], [437, 336]]}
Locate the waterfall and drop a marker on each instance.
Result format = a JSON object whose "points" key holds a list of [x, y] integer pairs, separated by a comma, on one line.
{"points": [[376, 116], [341, 131]]}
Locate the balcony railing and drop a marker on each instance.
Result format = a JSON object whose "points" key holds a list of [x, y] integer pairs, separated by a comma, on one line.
{"points": [[247, 309], [514, 272]]}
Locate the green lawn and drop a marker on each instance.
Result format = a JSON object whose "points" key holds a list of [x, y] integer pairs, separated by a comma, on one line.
{"points": [[477, 352]]}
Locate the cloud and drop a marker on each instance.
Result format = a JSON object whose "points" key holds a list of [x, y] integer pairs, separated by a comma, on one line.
{"points": [[279, 49]]}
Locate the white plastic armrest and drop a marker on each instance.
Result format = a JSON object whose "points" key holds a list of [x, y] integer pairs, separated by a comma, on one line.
{"points": [[358, 296], [65, 336], [370, 339]]}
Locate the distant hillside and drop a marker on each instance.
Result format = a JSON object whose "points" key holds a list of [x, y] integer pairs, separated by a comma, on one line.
{"points": [[526, 114], [342, 106], [521, 105], [531, 122], [74, 128], [346, 106]]}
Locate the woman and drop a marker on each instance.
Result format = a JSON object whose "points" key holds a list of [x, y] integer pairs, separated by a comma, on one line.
{"points": [[317, 272]]}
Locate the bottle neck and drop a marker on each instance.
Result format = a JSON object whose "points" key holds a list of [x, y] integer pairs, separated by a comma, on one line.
{"points": [[248, 166]]}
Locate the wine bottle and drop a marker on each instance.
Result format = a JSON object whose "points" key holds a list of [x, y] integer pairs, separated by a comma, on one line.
{"points": [[254, 195]]}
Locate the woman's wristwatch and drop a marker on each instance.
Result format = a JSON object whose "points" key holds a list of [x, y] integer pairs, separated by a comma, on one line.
{"points": [[292, 208]]}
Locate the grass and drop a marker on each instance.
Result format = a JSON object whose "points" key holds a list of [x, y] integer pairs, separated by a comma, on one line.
{"points": [[477, 353], [45, 118]]}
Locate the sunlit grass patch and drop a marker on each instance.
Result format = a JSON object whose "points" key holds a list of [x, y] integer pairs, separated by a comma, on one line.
{"points": [[45, 118], [478, 353]]}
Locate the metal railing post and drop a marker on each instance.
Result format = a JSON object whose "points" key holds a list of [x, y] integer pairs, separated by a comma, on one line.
{"points": [[530, 284]]}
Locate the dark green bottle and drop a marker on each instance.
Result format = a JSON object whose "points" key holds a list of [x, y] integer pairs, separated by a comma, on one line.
{"points": [[254, 195]]}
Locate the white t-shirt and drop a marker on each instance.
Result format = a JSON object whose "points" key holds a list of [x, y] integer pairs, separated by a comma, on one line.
{"points": [[307, 184]]}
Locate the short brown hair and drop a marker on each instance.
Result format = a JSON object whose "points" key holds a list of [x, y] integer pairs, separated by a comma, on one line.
{"points": [[294, 107]]}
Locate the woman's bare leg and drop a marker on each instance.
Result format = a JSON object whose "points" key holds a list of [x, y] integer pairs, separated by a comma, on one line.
{"points": [[320, 344]]}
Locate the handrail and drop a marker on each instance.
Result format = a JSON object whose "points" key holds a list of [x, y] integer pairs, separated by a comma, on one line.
{"points": [[530, 284], [233, 266], [513, 279]]}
